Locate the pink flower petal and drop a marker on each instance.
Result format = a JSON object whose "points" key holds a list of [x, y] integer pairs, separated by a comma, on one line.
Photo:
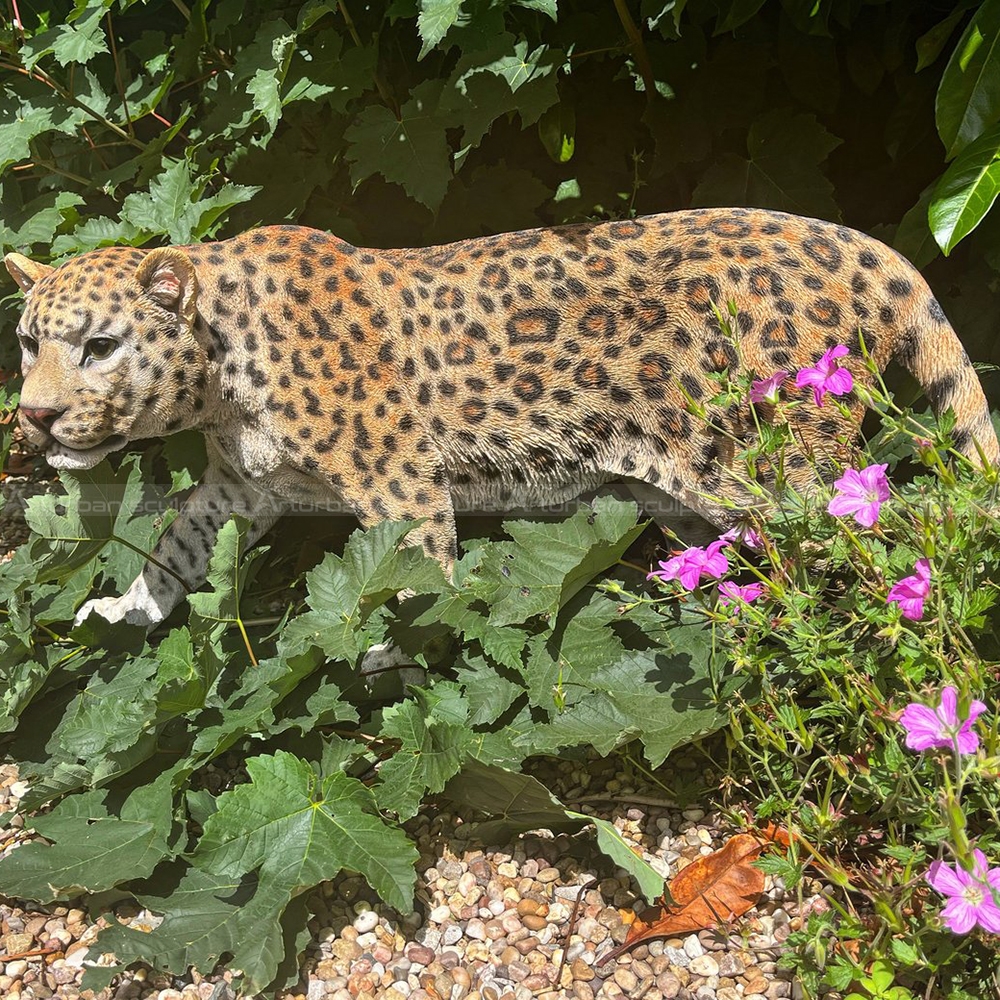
{"points": [[943, 878], [839, 382], [988, 916], [966, 741], [948, 709], [923, 727], [958, 915]]}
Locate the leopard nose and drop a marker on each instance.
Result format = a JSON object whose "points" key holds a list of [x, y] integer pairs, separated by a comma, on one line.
{"points": [[42, 417]]}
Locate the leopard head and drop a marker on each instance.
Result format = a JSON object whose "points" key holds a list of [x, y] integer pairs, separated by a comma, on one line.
{"points": [[109, 353]]}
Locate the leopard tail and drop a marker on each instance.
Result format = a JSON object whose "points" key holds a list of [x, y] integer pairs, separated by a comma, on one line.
{"points": [[931, 351]]}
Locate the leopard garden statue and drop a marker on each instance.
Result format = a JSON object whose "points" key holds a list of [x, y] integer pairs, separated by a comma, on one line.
{"points": [[520, 368]]}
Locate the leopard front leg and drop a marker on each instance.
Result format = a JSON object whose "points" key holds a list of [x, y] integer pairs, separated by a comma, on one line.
{"points": [[180, 558]]}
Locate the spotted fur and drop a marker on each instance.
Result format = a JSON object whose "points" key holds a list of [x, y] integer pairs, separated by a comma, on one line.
{"points": [[505, 370]]}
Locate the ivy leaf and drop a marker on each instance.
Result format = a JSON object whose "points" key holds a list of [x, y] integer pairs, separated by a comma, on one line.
{"points": [[411, 151], [966, 191], [781, 171], [292, 829], [968, 98]]}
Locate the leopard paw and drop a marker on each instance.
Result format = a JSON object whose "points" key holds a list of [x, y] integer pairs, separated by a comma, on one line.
{"points": [[118, 609]]}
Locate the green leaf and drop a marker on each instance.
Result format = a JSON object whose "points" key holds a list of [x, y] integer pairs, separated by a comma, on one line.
{"points": [[205, 916], [91, 848], [930, 44], [345, 591], [547, 7], [914, 239], [38, 221], [432, 751], [524, 803], [411, 151], [295, 829], [881, 976], [183, 677], [662, 695], [968, 97], [69, 43], [966, 191], [265, 85], [93, 233], [111, 713], [95, 517], [436, 17], [546, 564], [176, 206], [488, 693], [782, 169], [22, 122], [904, 952], [80, 42]]}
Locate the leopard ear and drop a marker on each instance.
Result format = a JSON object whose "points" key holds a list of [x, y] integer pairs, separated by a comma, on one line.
{"points": [[26, 272], [168, 277]]}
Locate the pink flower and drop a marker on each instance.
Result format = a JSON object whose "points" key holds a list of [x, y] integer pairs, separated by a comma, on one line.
{"points": [[765, 390], [730, 592], [911, 592], [861, 494], [693, 564], [826, 377], [927, 728], [743, 535], [971, 895]]}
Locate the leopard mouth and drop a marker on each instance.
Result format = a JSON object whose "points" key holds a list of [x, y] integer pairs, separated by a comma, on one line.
{"points": [[64, 456]]}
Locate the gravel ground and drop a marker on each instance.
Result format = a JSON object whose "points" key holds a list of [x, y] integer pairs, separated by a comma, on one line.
{"points": [[491, 924]]}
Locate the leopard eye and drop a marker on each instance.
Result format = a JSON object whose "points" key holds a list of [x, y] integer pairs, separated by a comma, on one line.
{"points": [[99, 348], [29, 345]]}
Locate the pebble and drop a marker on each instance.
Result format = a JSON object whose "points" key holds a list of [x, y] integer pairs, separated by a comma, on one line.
{"points": [[693, 947], [366, 921], [704, 965]]}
